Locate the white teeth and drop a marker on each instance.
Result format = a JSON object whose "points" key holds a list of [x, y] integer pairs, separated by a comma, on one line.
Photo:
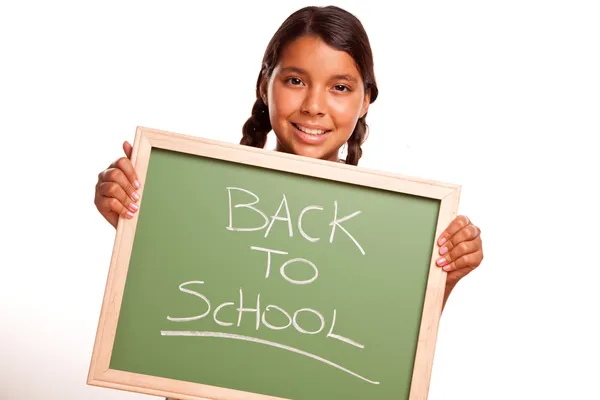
{"points": [[310, 131]]}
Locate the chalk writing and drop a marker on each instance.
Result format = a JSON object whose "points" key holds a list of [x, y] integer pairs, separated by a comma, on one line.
{"points": [[336, 222], [275, 328], [260, 315], [265, 342], [290, 280], [269, 251], [197, 317], [297, 326], [304, 210], [249, 309], [276, 217]]}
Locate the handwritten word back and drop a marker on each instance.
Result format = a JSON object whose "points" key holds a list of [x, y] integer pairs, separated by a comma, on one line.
{"points": [[336, 221]]}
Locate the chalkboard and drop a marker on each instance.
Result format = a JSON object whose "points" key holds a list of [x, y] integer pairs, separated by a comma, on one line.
{"points": [[253, 274]]}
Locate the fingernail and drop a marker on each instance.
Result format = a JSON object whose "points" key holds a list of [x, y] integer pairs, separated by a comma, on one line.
{"points": [[442, 241], [443, 250], [447, 268], [133, 207], [137, 184], [135, 196], [441, 261], [129, 214]]}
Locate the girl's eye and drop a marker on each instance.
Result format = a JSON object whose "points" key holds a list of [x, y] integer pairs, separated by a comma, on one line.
{"points": [[341, 88], [294, 81]]}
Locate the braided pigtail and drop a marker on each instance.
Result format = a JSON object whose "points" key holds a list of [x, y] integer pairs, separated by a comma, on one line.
{"points": [[257, 127], [357, 138]]}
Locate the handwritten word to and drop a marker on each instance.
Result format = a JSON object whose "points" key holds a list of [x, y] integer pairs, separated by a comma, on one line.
{"points": [[285, 264]]}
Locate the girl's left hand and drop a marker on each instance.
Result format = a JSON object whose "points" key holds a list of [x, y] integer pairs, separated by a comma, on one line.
{"points": [[460, 249]]}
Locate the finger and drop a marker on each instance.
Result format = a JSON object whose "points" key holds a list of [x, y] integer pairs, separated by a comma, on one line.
{"points": [[457, 224], [118, 176], [109, 205], [125, 165], [113, 190], [463, 248], [127, 148], [469, 232], [468, 261], [111, 209]]}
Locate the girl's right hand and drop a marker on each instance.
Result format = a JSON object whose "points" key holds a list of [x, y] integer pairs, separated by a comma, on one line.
{"points": [[116, 189]]}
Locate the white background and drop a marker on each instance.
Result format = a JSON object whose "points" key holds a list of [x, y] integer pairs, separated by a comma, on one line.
{"points": [[500, 97]]}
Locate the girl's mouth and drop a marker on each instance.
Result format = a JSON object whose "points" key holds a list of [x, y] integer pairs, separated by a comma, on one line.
{"points": [[308, 131], [309, 136]]}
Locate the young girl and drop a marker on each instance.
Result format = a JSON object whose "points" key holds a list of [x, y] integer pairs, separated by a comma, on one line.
{"points": [[313, 91]]}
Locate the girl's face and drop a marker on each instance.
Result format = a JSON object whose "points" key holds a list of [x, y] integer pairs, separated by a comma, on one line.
{"points": [[315, 97]]}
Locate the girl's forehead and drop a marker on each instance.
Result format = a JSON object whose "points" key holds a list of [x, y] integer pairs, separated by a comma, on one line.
{"points": [[314, 56]]}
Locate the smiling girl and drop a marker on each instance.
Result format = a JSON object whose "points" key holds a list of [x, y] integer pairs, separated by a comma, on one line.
{"points": [[313, 91], [315, 86]]}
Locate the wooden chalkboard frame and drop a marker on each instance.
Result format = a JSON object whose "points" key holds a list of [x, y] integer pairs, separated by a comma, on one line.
{"points": [[145, 139]]}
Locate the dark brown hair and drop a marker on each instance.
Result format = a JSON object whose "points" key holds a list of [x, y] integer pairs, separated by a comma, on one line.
{"points": [[340, 30]]}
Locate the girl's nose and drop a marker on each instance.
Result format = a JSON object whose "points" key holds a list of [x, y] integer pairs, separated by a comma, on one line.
{"points": [[314, 102]]}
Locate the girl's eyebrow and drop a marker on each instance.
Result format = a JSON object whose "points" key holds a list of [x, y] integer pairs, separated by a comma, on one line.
{"points": [[300, 71], [293, 69], [345, 77]]}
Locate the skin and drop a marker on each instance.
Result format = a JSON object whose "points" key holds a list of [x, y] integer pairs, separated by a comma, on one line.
{"points": [[314, 86], [305, 88]]}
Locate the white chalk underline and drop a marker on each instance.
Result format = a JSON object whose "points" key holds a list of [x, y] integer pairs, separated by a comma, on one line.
{"points": [[265, 342]]}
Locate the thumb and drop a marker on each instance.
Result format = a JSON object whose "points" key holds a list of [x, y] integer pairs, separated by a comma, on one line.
{"points": [[127, 148]]}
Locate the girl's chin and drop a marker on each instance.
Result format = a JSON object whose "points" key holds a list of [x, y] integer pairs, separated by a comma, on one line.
{"points": [[300, 148], [316, 152]]}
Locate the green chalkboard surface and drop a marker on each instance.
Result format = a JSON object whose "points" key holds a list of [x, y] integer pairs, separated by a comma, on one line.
{"points": [[270, 283]]}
